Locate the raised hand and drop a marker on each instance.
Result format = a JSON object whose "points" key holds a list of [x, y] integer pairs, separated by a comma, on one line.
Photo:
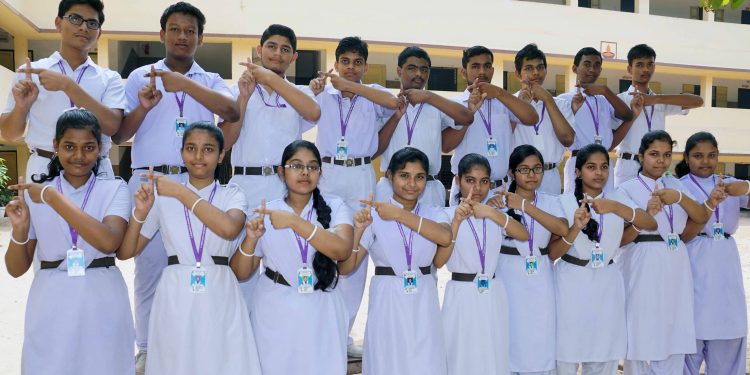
{"points": [[718, 193], [144, 196], [246, 83], [17, 210], [525, 93], [337, 81], [538, 92], [667, 195], [279, 219], [491, 90], [34, 189], [49, 79], [601, 205], [25, 92], [261, 74], [318, 84], [256, 227], [402, 104], [149, 96], [498, 200], [582, 216], [578, 99], [463, 211], [363, 217], [636, 105], [593, 89], [172, 81], [513, 200], [386, 211], [166, 186], [417, 96], [476, 98]]}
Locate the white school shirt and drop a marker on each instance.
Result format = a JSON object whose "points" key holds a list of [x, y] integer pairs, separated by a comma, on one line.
{"points": [[551, 148], [475, 138], [385, 245], [465, 257], [156, 142], [167, 216], [109, 197], [366, 120], [638, 193], [729, 213], [658, 113], [427, 135], [266, 131], [100, 83], [584, 122], [548, 203], [278, 247]]}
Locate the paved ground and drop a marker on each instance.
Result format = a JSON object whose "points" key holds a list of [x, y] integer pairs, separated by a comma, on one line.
{"points": [[13, 293]]}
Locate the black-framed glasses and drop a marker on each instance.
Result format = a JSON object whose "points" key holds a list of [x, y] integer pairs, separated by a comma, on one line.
{"points": [[77, 20], [526, 170], [301, 167]]}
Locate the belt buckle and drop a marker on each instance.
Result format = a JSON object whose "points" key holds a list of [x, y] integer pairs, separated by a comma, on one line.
{"points": [[267, 171], [349, 162], [174, 169]]}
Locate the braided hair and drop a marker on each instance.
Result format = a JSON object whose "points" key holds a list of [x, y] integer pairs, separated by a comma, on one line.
{"points": [[591, 229], [71, 119]]}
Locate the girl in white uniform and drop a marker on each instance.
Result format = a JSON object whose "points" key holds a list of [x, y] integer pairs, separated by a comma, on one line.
{"points": [[720, 310], [404, 332], [656, 268], [299, 316], [78, 318], [590, 292], [199, 320], [525, 267], [475, 307]]}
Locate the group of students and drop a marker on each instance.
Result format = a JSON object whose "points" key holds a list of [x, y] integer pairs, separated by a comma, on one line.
{"points": [[266, 274]]}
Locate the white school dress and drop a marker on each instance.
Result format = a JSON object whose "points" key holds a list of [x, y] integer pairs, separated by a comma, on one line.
{"points": [[298, 333], [591, 301], [77, 325], [475, 323], [531, 298], [658, 282], [198, 333], [720, 309], [404, 331]]}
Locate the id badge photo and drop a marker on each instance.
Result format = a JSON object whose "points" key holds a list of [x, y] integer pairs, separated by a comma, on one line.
{"points": [[305, 281], [597, 258], [410, 282], [198, 280], [718, 231], [342, 149], [491, 147], [76, 262], [483, 283], [598, 139], [180, 124], [673, 241], [532, 266]]}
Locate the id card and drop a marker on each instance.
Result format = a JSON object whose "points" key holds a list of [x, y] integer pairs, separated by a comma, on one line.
{"points": [[673, 241], [305, 280], [718, 231], [76, 262], [532, 266], [539, 142], [598, 139], [491, 147], [410, 282], [342, 149], [597, 257], [198, 280], [483, 283], [180, 124]]}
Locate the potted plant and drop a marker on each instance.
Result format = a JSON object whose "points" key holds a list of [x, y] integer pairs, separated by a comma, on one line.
{"points": [[5, 194]]}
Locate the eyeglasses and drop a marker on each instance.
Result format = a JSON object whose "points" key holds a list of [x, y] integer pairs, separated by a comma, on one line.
{"points": [[526, 170], [77, 20], [301, 167]]}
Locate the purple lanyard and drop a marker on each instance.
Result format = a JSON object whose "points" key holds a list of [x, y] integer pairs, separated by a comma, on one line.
{"points": [[407, 245], [410, 127], [198, 251], [538, 124], [530, 228], [487, 120], [649, 117], [263, 98], [345, 122], [180, 102], [78, 80], [601, 228], [303, 248], [591, 110], [482, 247], [716, 212], [73, 232], [669, 212]]}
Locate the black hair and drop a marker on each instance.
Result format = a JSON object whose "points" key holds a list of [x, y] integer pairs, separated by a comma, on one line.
{"points": [[185, 8], [517, 157], [584, 154], [682, 168], [352, 44], [326, 271], [640, 51], [71, 119], [65, 6], [529, 52], [467, 163], [586, 51], [211, 129], [475, 51], [280, 30], [413, 51], [408, 155], [648, 139]]}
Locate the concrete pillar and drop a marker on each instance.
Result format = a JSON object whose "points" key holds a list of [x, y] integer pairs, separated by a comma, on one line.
{"points": [[20, 49], [642, 6], [241, 50], [570, 79], [708, 16], [707, 83], [102, 53], [497, 77]]}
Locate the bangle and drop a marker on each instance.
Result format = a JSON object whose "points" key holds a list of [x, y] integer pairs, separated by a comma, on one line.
{"points": [[748, 187], [41, 195], [315, 230], [244, 253], [709, 207], [523, 205], [566, 241], [679, 200], [633, 218], [355, 250], [419, 228], [636, 228], [192, 209], [18, 242], [453, 242], [136, 218], [507, 221]]}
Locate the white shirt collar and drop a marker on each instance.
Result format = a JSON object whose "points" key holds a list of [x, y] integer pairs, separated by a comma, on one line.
{"points": [[194, 69], [56, 57]]}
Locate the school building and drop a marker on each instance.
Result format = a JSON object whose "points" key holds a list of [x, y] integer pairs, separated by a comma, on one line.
{"points": [[697, 52]]}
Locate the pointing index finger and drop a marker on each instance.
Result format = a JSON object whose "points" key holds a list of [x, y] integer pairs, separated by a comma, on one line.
{"points": [[152, 79], [28, 68]]}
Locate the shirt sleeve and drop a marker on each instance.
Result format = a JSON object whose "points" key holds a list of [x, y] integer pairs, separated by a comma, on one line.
{"points": [[555, 207], [381, 111], [446, 121], [439, 216], [11, 103], [340, 213], [236, 198], [218, 85], [121, 203], [368, 238], [32, 231], [566, 109], [151, 226], [614, 122], [114, 94], [132, 87], [304, 124], [512, 116]]}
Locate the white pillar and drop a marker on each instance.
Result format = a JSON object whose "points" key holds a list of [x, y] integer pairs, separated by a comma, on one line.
{"points": [[497, 77], [642, 6], [241, 50], [102, 53], [707, 83], [20, 50]]}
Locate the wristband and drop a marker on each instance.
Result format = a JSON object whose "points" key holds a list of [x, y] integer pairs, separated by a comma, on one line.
{"points": [[18, 242], [136, 218], [244, 253]]}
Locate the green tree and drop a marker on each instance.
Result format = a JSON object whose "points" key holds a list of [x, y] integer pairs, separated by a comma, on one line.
{"points": [[712, 5]]}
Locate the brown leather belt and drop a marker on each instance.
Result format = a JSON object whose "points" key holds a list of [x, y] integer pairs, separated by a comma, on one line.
{"points": [[388, 271], [256, 171], [96, 263], [351, 162], [219, 261]]}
